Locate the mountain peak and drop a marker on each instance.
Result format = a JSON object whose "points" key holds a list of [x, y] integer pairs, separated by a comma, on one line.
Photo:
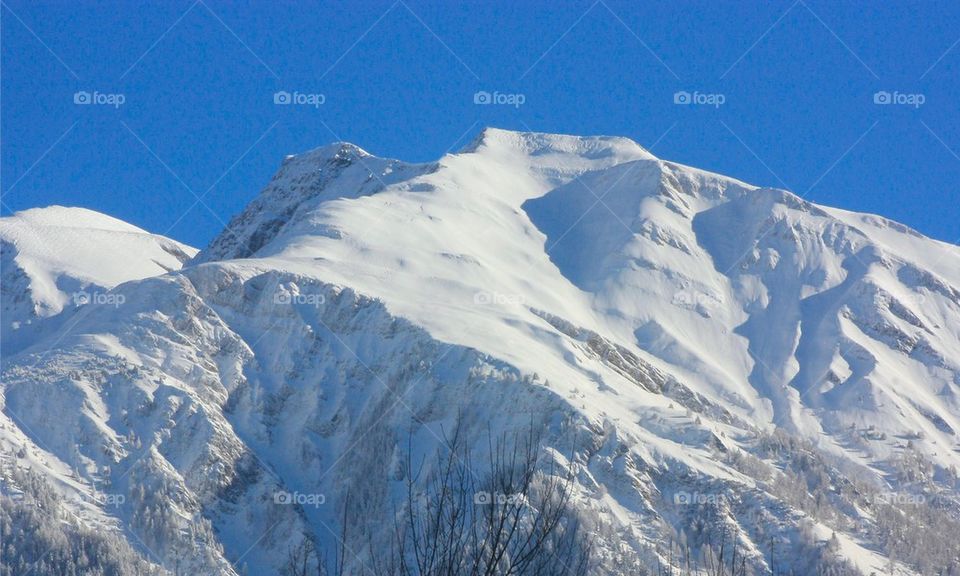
{"points": [[71, 217], [50, 254], [340, 149], [304, 181], [700, 354], [342, 170], [540, 143]]}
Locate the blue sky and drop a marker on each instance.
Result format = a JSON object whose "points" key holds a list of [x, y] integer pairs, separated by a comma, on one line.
{"points": [[795, 82]]}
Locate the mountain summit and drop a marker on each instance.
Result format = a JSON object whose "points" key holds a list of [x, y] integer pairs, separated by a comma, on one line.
{"points": [[53, 256], [710, 364]]}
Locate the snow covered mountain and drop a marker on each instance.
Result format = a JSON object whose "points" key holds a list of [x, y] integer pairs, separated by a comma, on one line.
{"points": [[60, 257], [709, 362]]}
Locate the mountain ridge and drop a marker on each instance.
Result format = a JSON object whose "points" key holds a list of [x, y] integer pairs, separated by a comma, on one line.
{"points": [[674, 332]]}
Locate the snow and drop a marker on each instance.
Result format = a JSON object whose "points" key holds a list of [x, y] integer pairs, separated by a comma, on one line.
{"points": [[666, 312], [52, 254]]}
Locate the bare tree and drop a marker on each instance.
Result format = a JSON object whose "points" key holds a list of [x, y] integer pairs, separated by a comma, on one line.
{"points": [[302, 559], [305, 559], [511, 518]]}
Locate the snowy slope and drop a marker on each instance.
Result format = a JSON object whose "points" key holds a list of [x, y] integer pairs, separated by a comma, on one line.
{"points": [[673, 332], [55, 256]]}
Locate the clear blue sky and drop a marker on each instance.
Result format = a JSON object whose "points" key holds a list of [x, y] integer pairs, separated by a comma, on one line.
{"points": [[198, 79]]}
